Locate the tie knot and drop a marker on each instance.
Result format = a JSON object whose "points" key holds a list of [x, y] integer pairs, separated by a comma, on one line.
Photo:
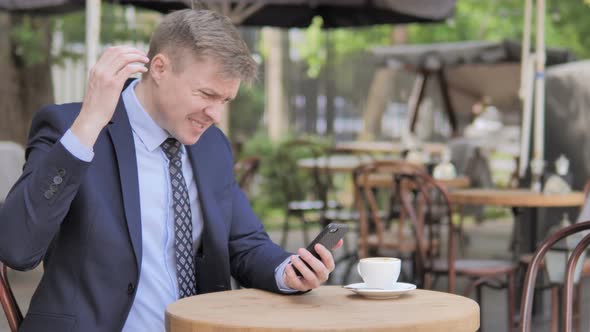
{"points": [[171, 148]]}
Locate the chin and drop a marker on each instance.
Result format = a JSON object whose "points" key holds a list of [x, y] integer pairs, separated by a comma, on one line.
{"points": [[190, 139]]}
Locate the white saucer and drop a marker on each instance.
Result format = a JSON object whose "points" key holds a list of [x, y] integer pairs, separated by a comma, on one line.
{"points": [[398, 289]]}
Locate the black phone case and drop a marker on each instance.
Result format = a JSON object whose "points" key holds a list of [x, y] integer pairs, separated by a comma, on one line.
{"points": [[328, 237]]}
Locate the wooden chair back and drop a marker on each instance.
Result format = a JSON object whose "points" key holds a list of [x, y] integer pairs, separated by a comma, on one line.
{"points": [[245, 171], [533, 269], [420, 197], [8, 301]]}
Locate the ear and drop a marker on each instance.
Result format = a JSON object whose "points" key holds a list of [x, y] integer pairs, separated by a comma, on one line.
{"points": [[159, 66]]}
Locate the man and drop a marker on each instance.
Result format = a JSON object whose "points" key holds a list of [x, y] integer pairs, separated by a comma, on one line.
{"points": [[129, 198]]}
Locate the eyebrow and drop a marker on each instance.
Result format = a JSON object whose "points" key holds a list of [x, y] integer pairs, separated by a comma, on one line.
{"points": [[215, 94]]}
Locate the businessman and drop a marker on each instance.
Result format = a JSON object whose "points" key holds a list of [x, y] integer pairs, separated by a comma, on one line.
{"points": [[129, 197]]}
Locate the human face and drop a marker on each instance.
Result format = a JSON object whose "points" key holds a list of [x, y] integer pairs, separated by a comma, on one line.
{"points": [[190, 101]]}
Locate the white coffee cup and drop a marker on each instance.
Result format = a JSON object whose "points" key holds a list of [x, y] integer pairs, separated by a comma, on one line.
{"points": [[379, 272]]}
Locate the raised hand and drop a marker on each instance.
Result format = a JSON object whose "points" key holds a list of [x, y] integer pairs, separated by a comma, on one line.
{"points": [[105, 83]]}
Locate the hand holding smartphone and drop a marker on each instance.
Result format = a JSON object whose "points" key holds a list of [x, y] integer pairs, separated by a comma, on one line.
{"points": [[328, 237]]}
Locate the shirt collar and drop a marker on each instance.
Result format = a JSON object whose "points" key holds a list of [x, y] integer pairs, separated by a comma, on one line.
{"points": [[150, 134]]}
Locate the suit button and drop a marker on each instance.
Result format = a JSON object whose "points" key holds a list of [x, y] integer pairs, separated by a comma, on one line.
{"points": [[53, 188], [48, 194], [58, 179], [61, 172], [130, 289]]}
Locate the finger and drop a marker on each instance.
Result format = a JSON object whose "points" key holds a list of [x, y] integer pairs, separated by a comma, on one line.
{"points": [[326, 257], [112, 53], [129, 70], [310, 279], [317, 266], [338, 244], [293, 280], [127, 59]]}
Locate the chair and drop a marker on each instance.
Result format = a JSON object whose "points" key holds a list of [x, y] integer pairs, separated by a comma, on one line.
{"points": [[525, 261], [9, 304], [245, 170], [305, 197], [533, 269], [426, 204]]}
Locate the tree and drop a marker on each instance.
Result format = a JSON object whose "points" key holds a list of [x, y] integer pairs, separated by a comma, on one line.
{"points": [[25, 57]]}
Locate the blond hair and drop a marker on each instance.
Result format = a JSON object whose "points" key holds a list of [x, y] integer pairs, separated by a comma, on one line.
{"points": [[203, 34]]}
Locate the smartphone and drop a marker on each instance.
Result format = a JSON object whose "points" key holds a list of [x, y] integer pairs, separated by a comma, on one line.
{"points": [[328, 237]]}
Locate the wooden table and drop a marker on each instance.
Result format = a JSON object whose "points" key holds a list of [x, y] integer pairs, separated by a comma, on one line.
{"points": [[515, 198], [347, 163], [525, 235], [339, 163], [328, 308], [384, 180], [387, 147]]}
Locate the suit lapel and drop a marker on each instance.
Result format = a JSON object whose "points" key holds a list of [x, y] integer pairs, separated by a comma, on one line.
{"points": [[122, 137]]}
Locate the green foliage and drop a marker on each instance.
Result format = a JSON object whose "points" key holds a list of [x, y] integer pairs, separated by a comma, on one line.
{"points": [[346, 42], [114, 27], [28, 42], [281, 180], [260, 145], [566, 24], [246, 111]]}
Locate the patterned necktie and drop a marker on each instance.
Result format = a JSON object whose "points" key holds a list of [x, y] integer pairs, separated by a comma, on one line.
{"points": [[183, 227]]}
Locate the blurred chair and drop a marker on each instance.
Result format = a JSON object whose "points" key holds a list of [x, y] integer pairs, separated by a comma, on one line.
{"points": [[526, 259], [305, 192], [9, 304], [426, 204], [245, 170], [526, 305], [378, 206]]}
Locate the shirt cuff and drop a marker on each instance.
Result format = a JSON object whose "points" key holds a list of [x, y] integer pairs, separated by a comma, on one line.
{"points": [[279, 271], [75, 147]]}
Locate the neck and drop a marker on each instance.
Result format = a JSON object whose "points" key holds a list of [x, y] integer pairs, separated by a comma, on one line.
{"points": [[144, 93]]}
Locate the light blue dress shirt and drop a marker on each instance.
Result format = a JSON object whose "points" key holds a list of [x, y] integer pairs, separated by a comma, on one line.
{"points": [[158, 285]]}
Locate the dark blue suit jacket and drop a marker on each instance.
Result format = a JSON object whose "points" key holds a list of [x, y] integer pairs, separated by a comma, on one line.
{"points": [[83, 220]]}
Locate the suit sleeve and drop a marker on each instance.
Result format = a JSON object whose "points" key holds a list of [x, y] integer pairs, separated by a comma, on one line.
{"points": [[253, 256], [39, 201]]}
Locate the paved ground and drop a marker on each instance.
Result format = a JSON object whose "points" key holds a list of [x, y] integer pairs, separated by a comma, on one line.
{"points": [[489, 239]]}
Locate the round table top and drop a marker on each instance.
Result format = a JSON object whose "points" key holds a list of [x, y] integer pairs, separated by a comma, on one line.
{"points": [[515, 198], [328, 308], [386, 147], [384, 180], [338, 163]]}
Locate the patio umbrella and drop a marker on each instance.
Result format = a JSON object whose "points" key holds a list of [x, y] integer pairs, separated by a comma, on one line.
{"points": [[279, 13], [466, 72]]}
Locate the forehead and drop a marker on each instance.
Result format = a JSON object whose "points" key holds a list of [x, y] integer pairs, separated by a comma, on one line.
{"points": [[206, 72]]}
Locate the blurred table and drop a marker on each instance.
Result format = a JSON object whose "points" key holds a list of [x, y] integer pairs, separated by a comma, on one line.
{"points": [[338, 163], [328, 308], [515, 198], [384, 180], [347, 163], [386, 147], [527, 234], [518, 199]]}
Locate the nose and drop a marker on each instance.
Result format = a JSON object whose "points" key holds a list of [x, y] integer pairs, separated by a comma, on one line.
{"points": [[214, 112]]}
